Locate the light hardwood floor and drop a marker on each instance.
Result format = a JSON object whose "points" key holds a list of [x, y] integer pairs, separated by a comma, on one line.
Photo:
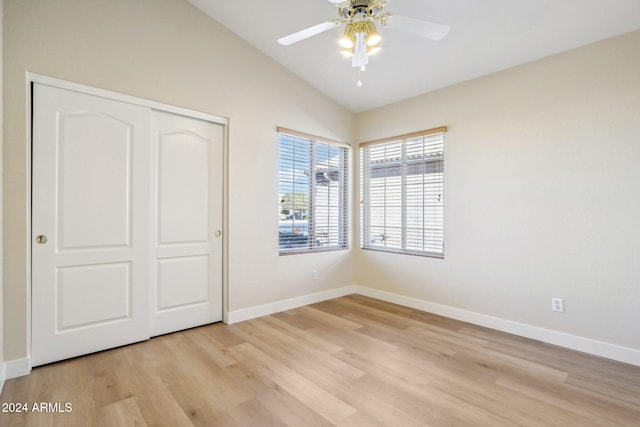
{"points": [[350, 361]]}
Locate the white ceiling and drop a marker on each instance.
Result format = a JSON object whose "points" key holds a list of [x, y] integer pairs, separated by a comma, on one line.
{"points": [[486, 36]]}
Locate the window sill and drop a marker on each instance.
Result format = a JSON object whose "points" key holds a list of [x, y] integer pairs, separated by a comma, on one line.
{"points": [[405, 252], [310, 251]]}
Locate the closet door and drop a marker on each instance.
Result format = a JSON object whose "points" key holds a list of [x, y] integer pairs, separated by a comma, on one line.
{"points": [[90, 242], [187, 225]]}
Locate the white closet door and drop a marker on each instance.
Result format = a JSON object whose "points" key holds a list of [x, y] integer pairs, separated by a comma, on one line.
{"points": [[90, 248], [187, 227]]}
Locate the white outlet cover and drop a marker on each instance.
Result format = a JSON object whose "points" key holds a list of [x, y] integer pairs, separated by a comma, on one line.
{"points": [[557, 304]]}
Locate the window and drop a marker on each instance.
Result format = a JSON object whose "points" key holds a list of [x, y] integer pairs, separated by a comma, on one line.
{"points": [[402, 193], [313, 193]]}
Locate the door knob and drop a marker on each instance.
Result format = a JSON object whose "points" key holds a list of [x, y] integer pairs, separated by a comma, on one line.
{"points": [[218, 233], [42, 239]]}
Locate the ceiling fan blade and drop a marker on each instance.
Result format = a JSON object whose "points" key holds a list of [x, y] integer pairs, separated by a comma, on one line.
{"points": [[426, 29], [306, 33]]}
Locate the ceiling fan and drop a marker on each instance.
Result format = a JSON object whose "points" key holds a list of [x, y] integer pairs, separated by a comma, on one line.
{"points": [[361, 38]]}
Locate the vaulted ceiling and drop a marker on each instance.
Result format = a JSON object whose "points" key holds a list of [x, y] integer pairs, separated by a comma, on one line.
{"points": [[486, 36]]}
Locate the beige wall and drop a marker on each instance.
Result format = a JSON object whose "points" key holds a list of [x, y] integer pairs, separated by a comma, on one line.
{"points": [[168, 51], [542, 190]]}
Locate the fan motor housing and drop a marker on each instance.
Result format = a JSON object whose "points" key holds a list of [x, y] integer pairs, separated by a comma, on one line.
{"points": [[360, 9]]}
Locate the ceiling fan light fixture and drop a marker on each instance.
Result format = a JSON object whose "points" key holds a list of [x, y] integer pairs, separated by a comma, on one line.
{"points": [[373, 37], [345, 42], [347, 53], [372, 50], [348, 38]]}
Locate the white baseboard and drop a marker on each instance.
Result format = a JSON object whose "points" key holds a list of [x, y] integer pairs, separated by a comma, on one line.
{"points": [[20, 367], [288, 304], [574, 342], [17, 368], [586, 345]]}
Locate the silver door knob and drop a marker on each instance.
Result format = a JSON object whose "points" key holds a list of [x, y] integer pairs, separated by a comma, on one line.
{"points": [[218, 233], [42, 239]]}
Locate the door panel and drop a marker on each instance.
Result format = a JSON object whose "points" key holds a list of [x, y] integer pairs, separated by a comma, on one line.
{"points": [[94, 181], [182, 282], [90, 183], [183, 188], [93, 294], [187, 288]]}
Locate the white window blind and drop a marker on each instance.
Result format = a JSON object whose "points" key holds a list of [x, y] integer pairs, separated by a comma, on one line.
{"points": [[313, 194], [402, 192]]}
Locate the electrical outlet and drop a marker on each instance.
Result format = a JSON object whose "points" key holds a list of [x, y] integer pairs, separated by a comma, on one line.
{"points": [[314, 274], [557, 304]]}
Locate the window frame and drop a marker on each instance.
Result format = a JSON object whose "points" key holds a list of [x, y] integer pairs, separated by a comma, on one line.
{"points": [[403, 166], [343, 221]]}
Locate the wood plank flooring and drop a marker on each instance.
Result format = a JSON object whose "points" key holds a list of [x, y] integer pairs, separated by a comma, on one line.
{"points": [[352, 361]]}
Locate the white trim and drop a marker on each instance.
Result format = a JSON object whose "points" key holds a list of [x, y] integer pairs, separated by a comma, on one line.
{"points": [[17, 368], [225, 226], [574, 342], [20, 367], [89, 90], [241, 315], [28, 160]]}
